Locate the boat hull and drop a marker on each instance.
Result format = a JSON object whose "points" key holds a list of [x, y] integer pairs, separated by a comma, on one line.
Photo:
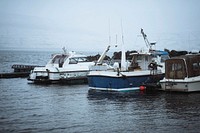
{"points": [[186, 85], [125, 82], [76, 77]]}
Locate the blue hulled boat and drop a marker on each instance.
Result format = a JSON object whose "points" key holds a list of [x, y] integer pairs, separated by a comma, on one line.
{"points": [[145, 67]]}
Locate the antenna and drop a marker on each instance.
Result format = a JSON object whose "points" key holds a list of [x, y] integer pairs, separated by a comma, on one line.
{"points": [[116, 41], [64, 50], [122, 33], [109, 33]]}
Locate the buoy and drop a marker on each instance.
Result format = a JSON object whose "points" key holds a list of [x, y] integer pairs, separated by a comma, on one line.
{"points": [[142, 88]]}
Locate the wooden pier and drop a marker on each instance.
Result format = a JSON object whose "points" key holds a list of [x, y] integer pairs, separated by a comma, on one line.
{"points": [[23, 68], [14, 75], [20, 71]]}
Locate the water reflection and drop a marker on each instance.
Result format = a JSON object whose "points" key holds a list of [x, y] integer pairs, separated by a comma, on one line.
{"points": [[99, 95], [183, 103], [122, 96], [149, 111]]}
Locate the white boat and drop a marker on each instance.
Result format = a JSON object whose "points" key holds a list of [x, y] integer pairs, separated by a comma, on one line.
{"points": [[62, 68], [182, 74], [128, 76]]}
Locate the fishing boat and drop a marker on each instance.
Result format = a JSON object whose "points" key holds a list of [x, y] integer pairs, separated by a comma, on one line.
{"points": [[67, 67], [145, 67], [182, 74]]}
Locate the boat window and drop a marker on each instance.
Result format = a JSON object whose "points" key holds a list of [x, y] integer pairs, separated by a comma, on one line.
{"points": [[134, 64], [195, 66], [146, 58], [175, 69], [154, 55], [84, 59], [81, 59], [139, 58], [164, 58], [195, 69], [55, 59], [59, 59], [72, 61]]}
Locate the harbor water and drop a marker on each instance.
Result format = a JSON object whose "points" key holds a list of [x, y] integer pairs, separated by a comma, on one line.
{"points": [[26, 107]]}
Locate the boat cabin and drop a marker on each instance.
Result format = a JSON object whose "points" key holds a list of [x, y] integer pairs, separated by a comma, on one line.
{"points": [[61, 60], [182, 67], [142, 61]]}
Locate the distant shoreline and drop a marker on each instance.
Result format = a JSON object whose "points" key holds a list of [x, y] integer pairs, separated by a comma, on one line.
{"points": [[96, 54]]}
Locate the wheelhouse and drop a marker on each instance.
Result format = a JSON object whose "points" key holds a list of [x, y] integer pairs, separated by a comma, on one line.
{"points": [[140, 61], [182, 67]]}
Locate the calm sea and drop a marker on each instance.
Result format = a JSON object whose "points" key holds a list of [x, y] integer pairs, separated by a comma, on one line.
{"points": [[26, 107]]}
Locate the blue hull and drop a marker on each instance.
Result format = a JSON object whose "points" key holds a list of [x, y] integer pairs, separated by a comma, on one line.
{"points": [[127, 83]]}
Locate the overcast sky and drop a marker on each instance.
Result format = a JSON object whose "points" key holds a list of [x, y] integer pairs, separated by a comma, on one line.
{"points": [[83, 25]]}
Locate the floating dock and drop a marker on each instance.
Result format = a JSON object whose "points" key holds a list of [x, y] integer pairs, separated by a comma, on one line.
{"points": [[23, 68], [20, 71], [14, 75]]}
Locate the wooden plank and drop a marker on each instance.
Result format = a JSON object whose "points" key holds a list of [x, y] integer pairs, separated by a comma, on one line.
{"points": [[14, 75]]}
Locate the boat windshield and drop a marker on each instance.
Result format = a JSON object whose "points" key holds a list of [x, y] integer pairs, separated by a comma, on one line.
{"points": [[78, 60], [82, 59], [175, 69], [59, 59]]}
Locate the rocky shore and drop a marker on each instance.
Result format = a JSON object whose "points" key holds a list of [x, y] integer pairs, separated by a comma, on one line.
{"points": [[117, 55]]}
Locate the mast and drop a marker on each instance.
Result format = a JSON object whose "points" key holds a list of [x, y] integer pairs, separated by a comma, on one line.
{"points": [[123, 56], [109, 33]]}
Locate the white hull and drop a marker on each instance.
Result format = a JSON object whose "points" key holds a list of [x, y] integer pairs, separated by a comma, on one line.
{"points": [[54, 77], [186, 85]]}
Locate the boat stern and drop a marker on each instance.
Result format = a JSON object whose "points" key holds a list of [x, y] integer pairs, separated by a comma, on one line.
{"points": [[43, 74]]}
